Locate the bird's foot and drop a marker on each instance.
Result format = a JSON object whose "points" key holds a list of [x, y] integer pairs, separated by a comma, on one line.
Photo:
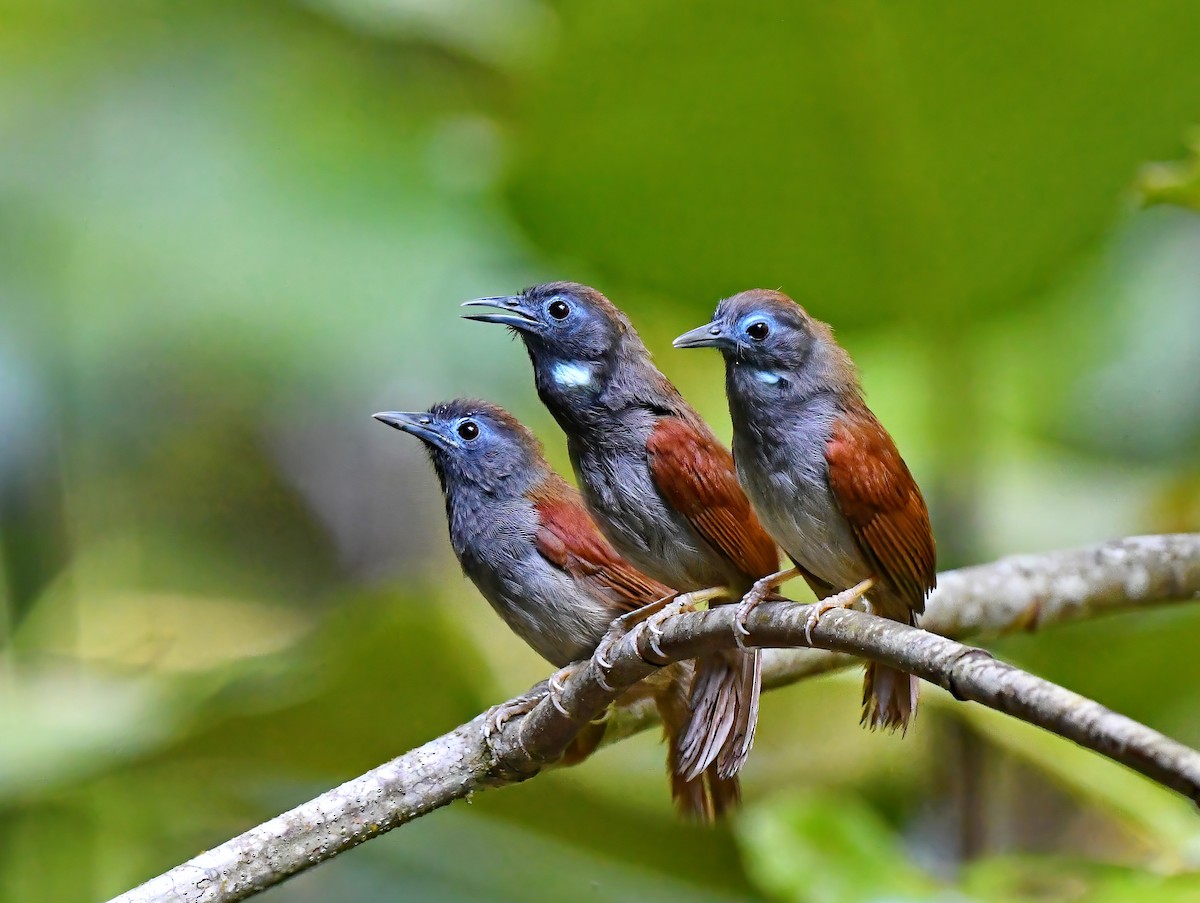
{"points": [[617, 631], [652, 626], [844, 599], [501, 714], [678, 605], [757, 595]]}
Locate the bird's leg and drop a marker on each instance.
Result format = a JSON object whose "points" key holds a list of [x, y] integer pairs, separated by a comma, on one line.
{"points": [[757, 595], [618, 630], [506, 711], [682, 603], [844, 599]]}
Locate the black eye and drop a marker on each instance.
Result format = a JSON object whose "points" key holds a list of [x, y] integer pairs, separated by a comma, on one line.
{"points": [[758, 331], [558, 308], [468, 429]]}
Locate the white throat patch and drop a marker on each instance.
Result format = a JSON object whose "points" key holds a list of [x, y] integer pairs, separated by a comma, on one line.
{"points": [[571, 375], [770, 377]]}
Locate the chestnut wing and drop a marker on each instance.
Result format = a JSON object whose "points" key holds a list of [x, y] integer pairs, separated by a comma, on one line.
{"points": [[881, 501], [568, 538], [695, 474]]}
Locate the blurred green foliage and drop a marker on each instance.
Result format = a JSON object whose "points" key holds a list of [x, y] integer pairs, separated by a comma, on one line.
{"points": [[229, 232]]}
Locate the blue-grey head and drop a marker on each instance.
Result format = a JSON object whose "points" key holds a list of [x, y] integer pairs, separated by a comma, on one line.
{"points": [[762, 328], [572, 332], [475, 445]]}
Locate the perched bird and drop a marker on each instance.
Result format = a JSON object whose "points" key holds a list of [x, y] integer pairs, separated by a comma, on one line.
{"points": [[822, 473], [523, 536], [659, 483]]}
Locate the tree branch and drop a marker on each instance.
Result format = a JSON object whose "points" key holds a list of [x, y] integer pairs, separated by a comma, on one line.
{"points": [[1025, 592], [1017, 593]]}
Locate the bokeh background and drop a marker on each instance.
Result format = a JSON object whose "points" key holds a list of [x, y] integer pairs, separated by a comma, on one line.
{"points": [[229, 232]]}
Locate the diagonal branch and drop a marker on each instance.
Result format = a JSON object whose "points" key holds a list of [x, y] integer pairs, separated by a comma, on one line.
{"points": [[1017, 593], [1022, 592]]}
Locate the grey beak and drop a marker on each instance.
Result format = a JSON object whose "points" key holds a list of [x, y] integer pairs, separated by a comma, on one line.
{"points": [[417, 423], [710, 335], [510, 313]]}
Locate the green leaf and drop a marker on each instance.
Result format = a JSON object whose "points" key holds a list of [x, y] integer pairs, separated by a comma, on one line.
{"points": [[1008, 879], [457, 854], [1176, 182], [829, 850]]}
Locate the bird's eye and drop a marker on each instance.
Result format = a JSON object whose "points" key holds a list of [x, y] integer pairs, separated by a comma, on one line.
{"points": [[468, 430], [558, 309], [758, 330]]}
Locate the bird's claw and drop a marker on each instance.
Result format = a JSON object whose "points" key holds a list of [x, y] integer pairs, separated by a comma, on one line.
{"points": [[656, 634], [503, 713], [555, 685], [844, 599], [602, 677], [814, 617], [758, 593], [651, 626], [603, 662], [617, 631]]}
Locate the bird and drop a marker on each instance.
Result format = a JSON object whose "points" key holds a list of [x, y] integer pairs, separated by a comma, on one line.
{"points": [[823, 474], [524, 538], [659, 483]]}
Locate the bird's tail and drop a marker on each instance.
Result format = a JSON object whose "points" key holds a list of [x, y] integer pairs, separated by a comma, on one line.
{"points": [[724, 713], [889, 695], [703, 797]]}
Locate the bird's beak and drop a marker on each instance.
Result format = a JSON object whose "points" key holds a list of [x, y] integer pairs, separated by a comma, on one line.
{"points": [[418, 423], [710, 335], [510, 312]]}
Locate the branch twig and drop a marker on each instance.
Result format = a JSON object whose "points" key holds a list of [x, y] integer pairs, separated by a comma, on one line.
{"points": [[1028, 591]]}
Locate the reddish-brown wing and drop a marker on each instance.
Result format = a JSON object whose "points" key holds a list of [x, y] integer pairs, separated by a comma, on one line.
{"points": [[568, 538], [695, 474], [880, 499]]}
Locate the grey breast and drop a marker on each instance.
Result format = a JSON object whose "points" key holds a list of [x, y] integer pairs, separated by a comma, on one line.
{"points": [[781, 463], [539, 602], [615, 479]]}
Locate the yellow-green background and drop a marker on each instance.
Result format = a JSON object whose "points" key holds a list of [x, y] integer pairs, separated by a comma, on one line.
{"points": [[230, 231]]}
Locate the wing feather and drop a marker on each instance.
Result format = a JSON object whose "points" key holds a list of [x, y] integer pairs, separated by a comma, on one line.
{"points": [[881, 500], [695, 474], [569, 539]]}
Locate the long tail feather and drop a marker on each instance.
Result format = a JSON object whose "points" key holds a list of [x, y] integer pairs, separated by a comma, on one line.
{"points": [[889, 696], [724, 713]]}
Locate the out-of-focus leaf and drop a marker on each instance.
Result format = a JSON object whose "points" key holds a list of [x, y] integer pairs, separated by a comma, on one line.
{"points": [[63, 724], [458, 855], [1175, 183], [1165, 819], [1139, 403], [162, 633], [615, 825], [911, 160], [1028, 879], [381, 675], [505, 33], [829, 850]]}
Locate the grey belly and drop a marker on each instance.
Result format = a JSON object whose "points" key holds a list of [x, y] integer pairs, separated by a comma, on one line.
{"points": [[656, 539], [545, 608], [804, 519]]}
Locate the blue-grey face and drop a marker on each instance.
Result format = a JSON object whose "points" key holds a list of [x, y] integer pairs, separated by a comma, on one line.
{"points": [[560, 323], [472, 443], [765, 330]]}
